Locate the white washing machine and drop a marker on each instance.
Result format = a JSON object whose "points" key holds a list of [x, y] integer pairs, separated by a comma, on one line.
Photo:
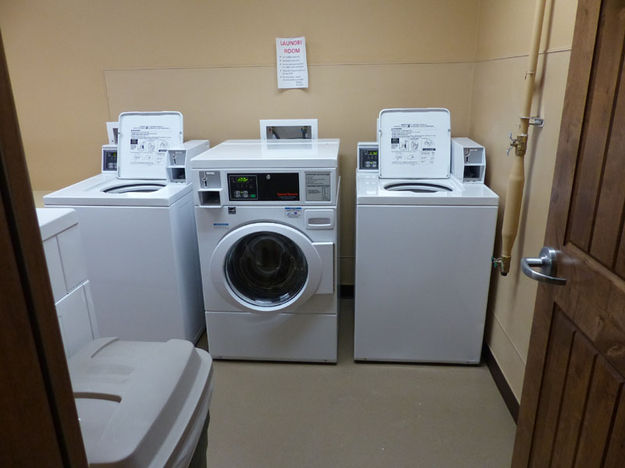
{"points": [[138, 230], [423, 249], [267, 226]]}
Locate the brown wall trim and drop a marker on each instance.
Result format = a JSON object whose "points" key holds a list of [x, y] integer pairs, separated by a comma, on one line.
{"points": [[501, 382]]}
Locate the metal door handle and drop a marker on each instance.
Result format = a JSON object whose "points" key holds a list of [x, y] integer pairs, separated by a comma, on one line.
{"points": [[547, 263]]}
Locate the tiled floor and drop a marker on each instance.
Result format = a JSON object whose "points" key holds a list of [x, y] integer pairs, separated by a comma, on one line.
{"points": [[356, 415]]}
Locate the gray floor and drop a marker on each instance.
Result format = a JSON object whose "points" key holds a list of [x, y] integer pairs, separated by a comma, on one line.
{"points": [[356, 415]]}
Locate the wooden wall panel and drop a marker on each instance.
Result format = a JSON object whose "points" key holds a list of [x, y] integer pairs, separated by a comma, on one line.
{"points": [[604, 82], [579, 403], [619, 265], [573, 402], [615, 453], [609, 221], [558, 353], [602, 398]]}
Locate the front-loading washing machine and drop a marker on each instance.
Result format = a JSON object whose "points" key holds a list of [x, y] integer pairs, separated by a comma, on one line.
{"points": [[423, 246], [267, 226], [138, 230]]}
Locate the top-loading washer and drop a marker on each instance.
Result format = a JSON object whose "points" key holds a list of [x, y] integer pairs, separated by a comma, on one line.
{"points": [[423, 247], [267, 227], [138, 230]]}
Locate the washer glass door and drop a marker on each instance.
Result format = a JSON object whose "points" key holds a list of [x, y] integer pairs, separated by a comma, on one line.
{"points": [[266, 269]]}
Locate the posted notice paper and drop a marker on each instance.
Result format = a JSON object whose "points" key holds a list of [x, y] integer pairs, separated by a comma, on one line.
{"points": [[291, 62]]}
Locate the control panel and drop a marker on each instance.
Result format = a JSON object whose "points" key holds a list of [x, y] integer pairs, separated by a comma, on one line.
{"points": [[276, 186], [109, 158], [294, 187], [243, 186], [368, 158]]}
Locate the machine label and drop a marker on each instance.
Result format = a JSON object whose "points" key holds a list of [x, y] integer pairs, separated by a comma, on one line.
{"points": [[318, 186], [413, 144], [149, 144], [293, 212]]}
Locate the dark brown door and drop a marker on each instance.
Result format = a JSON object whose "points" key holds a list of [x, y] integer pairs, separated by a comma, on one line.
{"points": [[38, 420], [573, 402]]}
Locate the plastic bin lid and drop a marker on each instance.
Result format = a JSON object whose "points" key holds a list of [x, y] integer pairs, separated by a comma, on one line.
{"points": [[144, 138], [136, 400], [414, 143]]}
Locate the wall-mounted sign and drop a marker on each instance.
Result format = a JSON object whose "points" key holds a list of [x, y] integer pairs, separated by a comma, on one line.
{"points": [[291, 64]]}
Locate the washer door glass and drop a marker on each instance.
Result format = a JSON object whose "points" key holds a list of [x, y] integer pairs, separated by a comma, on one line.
{"points": [[266, 269]]}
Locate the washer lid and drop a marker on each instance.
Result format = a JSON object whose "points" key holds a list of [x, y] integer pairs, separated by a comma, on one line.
{"points": [[371, 190], [143, 141], [107, 190], [414, 143], [136, 400]]}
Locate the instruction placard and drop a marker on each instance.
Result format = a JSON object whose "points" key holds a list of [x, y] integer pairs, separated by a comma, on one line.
{"points": [[291, 64], [144, 138], [148, 145], [413, 144]]}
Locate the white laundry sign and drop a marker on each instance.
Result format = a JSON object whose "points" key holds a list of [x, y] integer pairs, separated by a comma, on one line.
{"points": [[291, 64]]}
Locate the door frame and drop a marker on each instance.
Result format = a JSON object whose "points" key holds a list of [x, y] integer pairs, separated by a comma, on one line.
{"points": [[40, 422]]}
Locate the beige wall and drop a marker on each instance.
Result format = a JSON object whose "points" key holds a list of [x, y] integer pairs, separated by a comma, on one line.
{"points": [[504, 30], [76, 64]]}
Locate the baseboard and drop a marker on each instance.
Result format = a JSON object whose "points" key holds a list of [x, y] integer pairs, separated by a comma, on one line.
{"points": [[501, 382], [346, 290]]}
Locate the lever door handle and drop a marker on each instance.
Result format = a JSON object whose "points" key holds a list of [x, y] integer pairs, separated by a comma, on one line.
{"points": [[547, 263]]}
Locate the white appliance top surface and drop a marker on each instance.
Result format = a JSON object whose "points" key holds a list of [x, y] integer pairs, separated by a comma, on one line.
{"points": [[135, 399], [91, 192], [371, 190], [52, 221], [270, 154]]}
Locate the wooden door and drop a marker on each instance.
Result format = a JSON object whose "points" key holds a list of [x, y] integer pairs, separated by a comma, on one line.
{"points": [[38, 419], [573, 403]]}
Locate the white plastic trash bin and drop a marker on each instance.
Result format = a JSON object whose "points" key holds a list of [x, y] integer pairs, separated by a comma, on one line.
{"points": [[141, 404]]}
